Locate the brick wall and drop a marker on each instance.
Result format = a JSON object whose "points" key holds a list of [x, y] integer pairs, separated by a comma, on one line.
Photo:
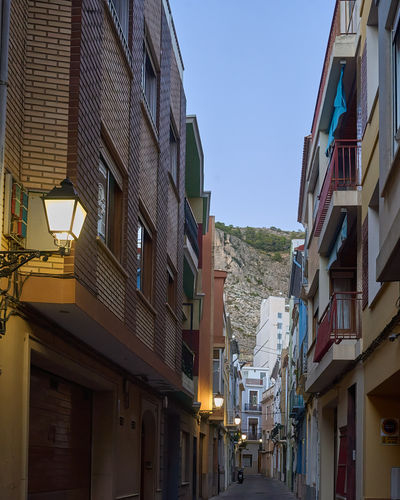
{"points": [[73, 87]]}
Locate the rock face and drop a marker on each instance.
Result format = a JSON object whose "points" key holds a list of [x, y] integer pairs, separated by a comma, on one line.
{"points": [[253, 275]]}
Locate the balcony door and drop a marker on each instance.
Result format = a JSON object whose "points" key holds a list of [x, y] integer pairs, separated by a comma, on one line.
{"points": [[253, 428], [253, 400], [343, 307]]}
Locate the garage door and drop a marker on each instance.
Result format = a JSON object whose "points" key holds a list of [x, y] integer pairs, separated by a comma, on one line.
{"points": [[59, 439]]}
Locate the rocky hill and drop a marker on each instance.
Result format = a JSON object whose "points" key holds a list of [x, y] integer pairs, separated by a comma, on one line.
{"points": [[253, 274]]}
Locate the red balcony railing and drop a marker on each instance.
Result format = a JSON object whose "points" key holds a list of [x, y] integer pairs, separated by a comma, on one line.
{"points": [[341, 175], [341, 320]]}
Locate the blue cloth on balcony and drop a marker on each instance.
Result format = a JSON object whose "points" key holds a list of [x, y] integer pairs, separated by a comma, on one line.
{"points": [[338, 243], [339, 107], [302, 321]]}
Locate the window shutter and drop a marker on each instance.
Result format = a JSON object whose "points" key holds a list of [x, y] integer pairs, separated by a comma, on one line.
{"points": [[365, 263]]}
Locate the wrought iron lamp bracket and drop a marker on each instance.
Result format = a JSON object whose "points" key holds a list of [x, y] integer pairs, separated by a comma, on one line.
{"points": [[10, 262]]}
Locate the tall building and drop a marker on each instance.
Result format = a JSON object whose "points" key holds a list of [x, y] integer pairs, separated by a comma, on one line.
{"points": [[272, 332], [99, 402], [255, 382]]}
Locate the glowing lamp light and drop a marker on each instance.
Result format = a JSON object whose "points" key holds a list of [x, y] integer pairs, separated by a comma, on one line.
{"points": [[244, 437], [237, 420], [218, 400], [65, 214]]}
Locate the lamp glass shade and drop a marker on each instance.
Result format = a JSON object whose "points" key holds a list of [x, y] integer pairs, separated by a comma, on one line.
{"points": [[244, 437], [218, 400], [65, 213], [79, 219], [59, 214], [237, 420]]}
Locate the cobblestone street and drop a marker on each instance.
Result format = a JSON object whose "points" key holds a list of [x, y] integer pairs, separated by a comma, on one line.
{"points": [[257, 487]]}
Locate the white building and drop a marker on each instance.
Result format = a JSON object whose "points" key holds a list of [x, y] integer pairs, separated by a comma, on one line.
{"points": [[255, 382], [272, 332]]}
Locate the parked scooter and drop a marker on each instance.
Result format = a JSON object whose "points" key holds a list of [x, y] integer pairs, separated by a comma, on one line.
{"points": [[240, 476]]}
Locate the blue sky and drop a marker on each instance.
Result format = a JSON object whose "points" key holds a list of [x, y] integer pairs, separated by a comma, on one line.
{"points": [[252, 71]]}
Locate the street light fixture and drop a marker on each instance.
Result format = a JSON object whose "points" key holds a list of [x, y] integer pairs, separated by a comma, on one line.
{"points": [[244, 437], [65, 214], [237, 420], [218, 400]]}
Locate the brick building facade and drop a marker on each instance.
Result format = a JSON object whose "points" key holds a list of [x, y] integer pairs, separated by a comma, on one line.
{"points": [[91, 358]]}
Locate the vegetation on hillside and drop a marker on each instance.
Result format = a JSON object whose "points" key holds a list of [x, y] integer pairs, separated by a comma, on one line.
{"points": [[267, 239]]}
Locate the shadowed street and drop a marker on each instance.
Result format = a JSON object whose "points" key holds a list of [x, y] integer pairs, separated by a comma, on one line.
{"points": [[257, 487]]}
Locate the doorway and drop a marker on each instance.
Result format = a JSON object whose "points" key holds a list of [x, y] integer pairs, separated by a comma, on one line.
{"points": [[147, 456]]}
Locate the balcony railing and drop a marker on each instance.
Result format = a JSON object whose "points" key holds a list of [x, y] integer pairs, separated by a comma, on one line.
{"points": [[341, 320], [252, 407], [341, 175], [252, 434], [254, 381], [191, 228], [187, 361], [296, 405]]}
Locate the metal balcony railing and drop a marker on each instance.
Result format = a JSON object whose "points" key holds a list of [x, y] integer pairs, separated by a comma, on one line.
{"points": [[254, 381], [341, 175], [191, 228], [296, 405], [252, 407], [187, 361], [341, 320], [252, 434]]}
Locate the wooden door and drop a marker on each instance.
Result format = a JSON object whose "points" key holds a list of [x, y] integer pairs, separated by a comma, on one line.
{"points": [[59, 439]]}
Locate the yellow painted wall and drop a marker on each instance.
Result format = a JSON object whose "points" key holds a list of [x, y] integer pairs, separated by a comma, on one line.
{"points": [[379, 458]]}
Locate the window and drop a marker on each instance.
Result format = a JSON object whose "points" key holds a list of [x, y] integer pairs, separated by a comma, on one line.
{"points": [[171, 288], [109, 209], [253, 398], [144, 260], [253, 428], [247, 460], [279, 325], [279, 336], [217, 372], [279, 315], [122, 9], [173, 155], [149, 83], [315, 325]]}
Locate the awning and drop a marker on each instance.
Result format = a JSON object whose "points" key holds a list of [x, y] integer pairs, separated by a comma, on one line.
{"points": [[339, 107], [338, 243]]}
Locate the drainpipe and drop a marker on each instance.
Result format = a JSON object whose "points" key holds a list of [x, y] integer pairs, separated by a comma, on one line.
{"points": [[4, 37]]}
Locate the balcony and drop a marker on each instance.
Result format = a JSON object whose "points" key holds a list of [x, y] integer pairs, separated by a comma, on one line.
{"points": [[296, 405], [252, 434], [339, 190], [254, 381], [191, 229], [340, 321], [342, 46], [252, 407]]}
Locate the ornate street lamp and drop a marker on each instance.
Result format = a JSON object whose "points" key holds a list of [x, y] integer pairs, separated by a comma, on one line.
{"points": [[237, 420], [218, 400], [65, 214]]}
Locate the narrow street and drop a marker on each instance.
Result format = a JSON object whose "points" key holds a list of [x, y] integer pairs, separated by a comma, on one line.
{"points": [[257, 487]]}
